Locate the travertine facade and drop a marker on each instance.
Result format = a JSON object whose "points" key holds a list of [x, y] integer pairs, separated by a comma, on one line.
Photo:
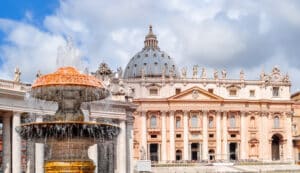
{"points": [[198, 117]]}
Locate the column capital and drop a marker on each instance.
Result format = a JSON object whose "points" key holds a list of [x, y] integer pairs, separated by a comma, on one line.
{"points": [[171, 112], [289, 114], [205, 111], [264, 113]]}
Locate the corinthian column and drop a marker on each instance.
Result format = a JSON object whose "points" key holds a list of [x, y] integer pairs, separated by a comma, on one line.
{"points": [[39, 153], [218, 136], [186, 136], [6, 120], [164, 137], [172, 139], [204, 137], [244, 135], [289, 142], [16, 144], [144, 134], [225, 132]]}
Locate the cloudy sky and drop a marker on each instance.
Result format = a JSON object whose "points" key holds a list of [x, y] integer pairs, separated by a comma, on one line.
{"points": [[252, 35]]}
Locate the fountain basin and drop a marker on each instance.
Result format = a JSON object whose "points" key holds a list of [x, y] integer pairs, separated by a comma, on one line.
{"points": [[41, 131]]}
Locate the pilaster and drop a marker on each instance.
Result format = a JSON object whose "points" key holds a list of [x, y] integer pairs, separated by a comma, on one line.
{"points": [[16, 144], [204, 136], [164, 137], [224, 137], [6, 120], [218, 136], [172, 138], [186, 136]]}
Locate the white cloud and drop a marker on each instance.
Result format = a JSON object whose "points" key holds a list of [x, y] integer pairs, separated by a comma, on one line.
{"points": [[214, 33]]}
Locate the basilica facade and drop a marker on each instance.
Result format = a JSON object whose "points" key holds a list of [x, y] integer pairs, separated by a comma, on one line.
{"points": [[203, 117]]}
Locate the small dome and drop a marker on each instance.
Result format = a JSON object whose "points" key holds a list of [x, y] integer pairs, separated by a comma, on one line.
{"points": [[151, 61]]}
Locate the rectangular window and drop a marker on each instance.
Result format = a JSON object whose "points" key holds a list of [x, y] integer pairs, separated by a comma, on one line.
{"points": [[252, 93], [153, 136], [210, 90], [178, 135], [232, 92], [211, 135], [275, 91], [177, 90], [153, 91], [178, 123]]}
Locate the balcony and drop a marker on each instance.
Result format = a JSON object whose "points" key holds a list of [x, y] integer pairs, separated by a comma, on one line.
{"points": [[195, 129], [233, 129]]}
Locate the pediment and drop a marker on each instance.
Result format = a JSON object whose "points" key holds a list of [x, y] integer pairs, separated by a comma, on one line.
{"points": [[195, 93]]}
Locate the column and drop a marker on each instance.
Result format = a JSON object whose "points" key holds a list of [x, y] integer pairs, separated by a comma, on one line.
{"points": [[39, 153], [144, 135], [244, 135], [16, 144], [129, 137], [172, 138], [263, 141], [225, 134], [92, 152], [218, 136], [163, 137], [121, 155], [289, 142], [186, 136], [6, 120], [204, 137]]}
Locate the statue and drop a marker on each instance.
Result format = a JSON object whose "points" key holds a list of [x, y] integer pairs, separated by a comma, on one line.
{"points": [[38, 74], [242, 75], [163, 73], [171, 72], [142, 72], [286, 78], [216, 74], [203, 74], [183, 72], [142, 153], [262, 75], [86, 71], [17, 75], [224, 74], [120, 72], [195, 71]]}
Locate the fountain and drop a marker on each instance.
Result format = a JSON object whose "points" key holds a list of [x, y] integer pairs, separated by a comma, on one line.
{"points": [[66, 135]]}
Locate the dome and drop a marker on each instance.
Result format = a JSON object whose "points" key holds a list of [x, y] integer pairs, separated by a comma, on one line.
{"points": [[151, 61]]}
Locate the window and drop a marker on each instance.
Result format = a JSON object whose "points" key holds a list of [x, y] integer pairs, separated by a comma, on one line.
{"points": [[153, 121], [252, 93], [275, 91], [210, 122], [252, 122], [232, 92], [194, 121], [211, 135], [178, 135], [178, 122], [153, 91], [178, 154], [153, 136], [232, 121], [233, 135], [177, 90], [276, 122], [210, 90]]}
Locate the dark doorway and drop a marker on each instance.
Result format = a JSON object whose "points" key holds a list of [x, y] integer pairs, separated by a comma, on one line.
{"points": [[154, 152], [232, 151], [211, 154], [178, 155], [275, 147], [195, 151]]}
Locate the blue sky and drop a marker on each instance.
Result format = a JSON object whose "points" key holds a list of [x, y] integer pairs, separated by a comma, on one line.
{"points": [[215, 34]]}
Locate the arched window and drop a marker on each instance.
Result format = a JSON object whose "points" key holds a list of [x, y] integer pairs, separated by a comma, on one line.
{"points": [[276, 122], [178, 122], [252, 122], [210, 122], [153, 121], [194, 121], [232, 121]]}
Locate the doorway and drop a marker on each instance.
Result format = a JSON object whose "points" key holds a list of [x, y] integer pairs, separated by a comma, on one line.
{"points": [[195, 151], [232, 151], [275, 147], [178, 155], [154, 152], [211, 154]]}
